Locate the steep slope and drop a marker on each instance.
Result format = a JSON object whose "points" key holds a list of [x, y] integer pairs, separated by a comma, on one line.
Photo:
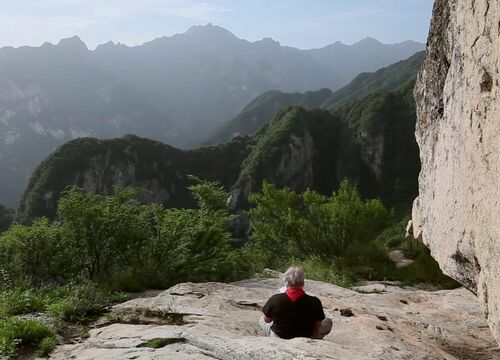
{"points": [[458, 132], [383, 124], [353, 59], [370, 141], [176, 89], [300, 149], [389, 78], [6, 216], [220, 321], [160, 171], [261, 110]]}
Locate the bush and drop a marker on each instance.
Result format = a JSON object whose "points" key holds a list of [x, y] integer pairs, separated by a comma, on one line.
{"points": [[46, 346], [15, 333], [105, 233], [76, 304], [316, 269], [192, 244], [21, 301], [290, 225], [36, 254]]}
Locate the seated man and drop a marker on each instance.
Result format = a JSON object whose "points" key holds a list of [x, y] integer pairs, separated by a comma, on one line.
{"points": [[294, 313]]}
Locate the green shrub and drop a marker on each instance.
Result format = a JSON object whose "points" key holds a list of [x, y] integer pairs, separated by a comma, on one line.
{"points": [[291, 225], [21, 301], [317, 269], [106, 233], [76, 304], [16, 333], [36, 254], [46, 346]]}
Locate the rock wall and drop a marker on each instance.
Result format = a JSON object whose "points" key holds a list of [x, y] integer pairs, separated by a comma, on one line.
{"points": [[458, 107]]}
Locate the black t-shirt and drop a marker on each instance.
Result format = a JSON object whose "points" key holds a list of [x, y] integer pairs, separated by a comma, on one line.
{"points": [[293, 319]]}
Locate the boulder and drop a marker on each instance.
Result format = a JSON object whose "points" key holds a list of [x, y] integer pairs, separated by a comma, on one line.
{"points": [[221, 321], [458, 132]]}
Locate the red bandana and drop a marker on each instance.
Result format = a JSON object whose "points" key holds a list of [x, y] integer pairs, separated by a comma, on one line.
{"points": [[294, 293]]}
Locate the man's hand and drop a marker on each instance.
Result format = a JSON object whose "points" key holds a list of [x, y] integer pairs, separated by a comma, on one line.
{"points": [[268, 319]]}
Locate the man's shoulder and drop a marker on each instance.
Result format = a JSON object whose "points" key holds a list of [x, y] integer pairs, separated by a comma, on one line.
{"points": [[278, 297], [313, 299]]}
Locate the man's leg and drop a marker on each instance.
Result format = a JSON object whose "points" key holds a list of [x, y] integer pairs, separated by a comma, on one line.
{"points": [[266, 327], [324, 329]]}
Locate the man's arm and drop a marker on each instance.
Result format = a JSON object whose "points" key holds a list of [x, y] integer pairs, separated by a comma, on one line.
{"points": [[268, 310]]}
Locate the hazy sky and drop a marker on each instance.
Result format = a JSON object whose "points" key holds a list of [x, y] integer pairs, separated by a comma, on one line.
{"points": [[299, 23]]}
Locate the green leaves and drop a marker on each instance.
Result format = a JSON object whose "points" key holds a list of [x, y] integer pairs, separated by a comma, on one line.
{"points": [[118, 241], [294, 225]]}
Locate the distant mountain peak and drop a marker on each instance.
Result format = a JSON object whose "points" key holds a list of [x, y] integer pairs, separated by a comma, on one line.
{"points": [[73, 43], [368, 41], [210, 30]]}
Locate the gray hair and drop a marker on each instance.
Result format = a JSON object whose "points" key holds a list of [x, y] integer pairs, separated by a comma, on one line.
{"points": [[294, 277]]}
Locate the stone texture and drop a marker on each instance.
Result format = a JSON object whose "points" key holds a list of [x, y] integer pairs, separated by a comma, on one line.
{"points": [[458, 131], [220, 321]]}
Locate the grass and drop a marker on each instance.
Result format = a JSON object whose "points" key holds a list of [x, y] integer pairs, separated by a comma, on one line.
{"points": [[67, 307], [19, 333]]}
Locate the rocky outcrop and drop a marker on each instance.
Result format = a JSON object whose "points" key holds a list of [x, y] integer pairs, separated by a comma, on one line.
{"points": [[161, 173], [458, 132], [299, 149], [220, 321]]}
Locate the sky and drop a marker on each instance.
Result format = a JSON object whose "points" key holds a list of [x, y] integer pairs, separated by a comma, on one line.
{"points": [[300, 23]]}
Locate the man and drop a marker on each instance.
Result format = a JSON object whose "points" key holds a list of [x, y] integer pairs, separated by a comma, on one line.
{"points": [[294, 313]]}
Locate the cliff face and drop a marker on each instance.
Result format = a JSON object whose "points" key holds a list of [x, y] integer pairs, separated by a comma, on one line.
{"points": [[299, 149], [458, 132], [160, 172]]}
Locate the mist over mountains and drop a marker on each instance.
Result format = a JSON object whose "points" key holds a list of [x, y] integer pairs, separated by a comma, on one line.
{"points": [[176, 89]]}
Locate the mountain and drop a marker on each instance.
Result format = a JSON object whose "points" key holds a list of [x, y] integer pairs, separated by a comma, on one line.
{"points": [[161, 172], [389, 78], [6, 216], [260, 111], [300, 149], [176, 89], [352, 59], [383, 125], [370, 141]]}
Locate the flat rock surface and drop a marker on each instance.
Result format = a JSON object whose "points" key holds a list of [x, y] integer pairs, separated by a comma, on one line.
{"points": [[220, 321]]}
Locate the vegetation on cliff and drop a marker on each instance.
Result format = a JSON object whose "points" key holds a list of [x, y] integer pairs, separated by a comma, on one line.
{"points": [[389, 78], [262, 109], [6, 216]]}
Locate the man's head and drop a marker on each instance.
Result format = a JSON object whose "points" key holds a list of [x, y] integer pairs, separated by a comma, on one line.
{"points": [[294, 277]]}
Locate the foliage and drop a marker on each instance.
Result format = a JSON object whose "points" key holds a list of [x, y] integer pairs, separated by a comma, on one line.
{"points": [[114, 240], [292, 225], [35, 254], [6, 216], [106, 233], [21, 301], [389, 78], [192, 244], [16, 333], [46, 346], [76, 304], [260, 111]]}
